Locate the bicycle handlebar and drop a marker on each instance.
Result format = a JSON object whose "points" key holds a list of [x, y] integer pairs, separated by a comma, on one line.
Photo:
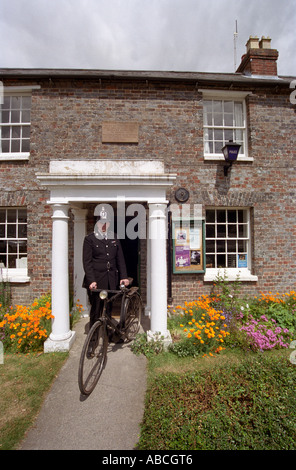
{"points": [[123, 288]]}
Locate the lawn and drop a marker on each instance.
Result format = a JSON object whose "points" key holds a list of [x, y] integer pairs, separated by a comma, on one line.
{"points": [[24, 381]]}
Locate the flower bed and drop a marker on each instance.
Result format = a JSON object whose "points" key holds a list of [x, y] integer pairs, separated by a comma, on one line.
{"points": [[212, 323], [24, 329]]}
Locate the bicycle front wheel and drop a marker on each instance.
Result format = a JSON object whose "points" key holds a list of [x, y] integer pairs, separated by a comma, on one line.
{"points": [[93, 358], [133, 310]]}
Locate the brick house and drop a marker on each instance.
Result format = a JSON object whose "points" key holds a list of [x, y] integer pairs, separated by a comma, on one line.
{"points": [[148, 145]]}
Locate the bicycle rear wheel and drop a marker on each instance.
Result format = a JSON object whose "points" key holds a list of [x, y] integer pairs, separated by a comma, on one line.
{"points": [[133, 311], [93, 358]]}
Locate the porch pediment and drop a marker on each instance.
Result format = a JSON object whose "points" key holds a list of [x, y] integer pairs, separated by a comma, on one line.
{"points": [[97, 180]]}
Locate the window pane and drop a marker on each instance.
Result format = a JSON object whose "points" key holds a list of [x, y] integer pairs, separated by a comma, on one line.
{"points": [[16, 132], [23, 247], [5, 146], [11, 215], [243, 231], [232, 231], [2, 231], [210, 246], [26, 132], [221, 216], [228, 107], [218, 135], [16, 102], [22, 215], [22, 231], [210, 216], [15, 145], [231, 261], [210, 231], [6, 132], [242, 246], [221, 261], [228, 135], [26, 102], [221, 231], [26, 116], [231, 246], [11, 231], [238, 114], [211, 147], [2, 215], [228, 119], [231, 216], [5, 116], [15, 116], [12, 246], [218, 119], [217, 106], [6, 102], [210, 261], [12, 261], [242, 216], [221, 246], [25, 145]]}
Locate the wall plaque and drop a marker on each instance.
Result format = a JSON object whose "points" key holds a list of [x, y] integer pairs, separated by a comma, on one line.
{"points": [[117, 132]]}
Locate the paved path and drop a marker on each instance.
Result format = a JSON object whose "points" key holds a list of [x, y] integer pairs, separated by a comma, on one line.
{"points": [[108, 419]]}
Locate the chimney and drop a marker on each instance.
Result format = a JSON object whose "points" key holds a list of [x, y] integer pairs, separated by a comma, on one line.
{"points": [[259, 59]]}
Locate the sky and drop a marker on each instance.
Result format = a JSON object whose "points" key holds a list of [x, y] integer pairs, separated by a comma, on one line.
{"points": [[159, 35]]}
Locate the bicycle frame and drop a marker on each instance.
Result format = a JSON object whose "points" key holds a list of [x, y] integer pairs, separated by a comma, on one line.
{"points": [[105, 329], [103, 294]]}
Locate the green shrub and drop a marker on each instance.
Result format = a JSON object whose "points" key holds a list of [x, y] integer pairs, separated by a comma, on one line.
{"points": [[141, 345], [249, 405]]}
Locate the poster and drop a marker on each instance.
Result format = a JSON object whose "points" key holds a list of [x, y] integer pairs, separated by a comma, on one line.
{"points": [[242, 261], [188, 247]]}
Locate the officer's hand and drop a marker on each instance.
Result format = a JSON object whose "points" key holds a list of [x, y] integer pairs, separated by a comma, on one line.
{"points": [[125, 282], [93, 285]]}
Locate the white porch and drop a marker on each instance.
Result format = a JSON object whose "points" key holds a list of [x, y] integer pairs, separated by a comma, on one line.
{"points": [[73, 184]]}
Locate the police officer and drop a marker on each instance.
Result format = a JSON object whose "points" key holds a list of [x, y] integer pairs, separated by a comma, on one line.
{"points": [[103, 263]]}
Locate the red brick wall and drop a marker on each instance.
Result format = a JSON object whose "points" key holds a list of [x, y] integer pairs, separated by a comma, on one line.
{"points": [[66, 124]]}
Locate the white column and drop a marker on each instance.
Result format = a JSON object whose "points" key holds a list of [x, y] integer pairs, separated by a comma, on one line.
{"points": [[158, 263], [148, 278], [80, 294], [61, 337]]}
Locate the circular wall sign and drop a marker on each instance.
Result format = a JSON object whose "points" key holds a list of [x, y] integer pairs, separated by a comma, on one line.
{"points": [[182, 195]]}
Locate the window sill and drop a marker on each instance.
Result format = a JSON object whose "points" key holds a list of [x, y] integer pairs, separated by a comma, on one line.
{"points": [[241, 158], [14, 275], [231, 274], [14, 156]]}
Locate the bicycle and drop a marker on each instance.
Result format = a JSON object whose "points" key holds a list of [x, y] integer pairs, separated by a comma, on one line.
{"points": [[94, 352]]}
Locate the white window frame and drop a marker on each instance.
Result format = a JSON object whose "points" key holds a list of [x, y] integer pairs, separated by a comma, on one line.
{"points": [[20, 273], [18, 91], [223, 95], [243, 274]]}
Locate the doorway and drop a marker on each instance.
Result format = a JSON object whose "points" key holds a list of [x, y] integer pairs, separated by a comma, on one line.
{"points": [[131, 255]]}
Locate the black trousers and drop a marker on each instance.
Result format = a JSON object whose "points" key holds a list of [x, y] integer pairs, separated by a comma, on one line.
{"points": [[97, 306]]}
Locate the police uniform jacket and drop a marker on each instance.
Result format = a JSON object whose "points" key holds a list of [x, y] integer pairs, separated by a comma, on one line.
{"points": [[103, 261]]}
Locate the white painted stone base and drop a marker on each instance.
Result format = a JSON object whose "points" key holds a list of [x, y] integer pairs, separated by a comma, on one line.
{"points": [[165, 338], [59, 345]]}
